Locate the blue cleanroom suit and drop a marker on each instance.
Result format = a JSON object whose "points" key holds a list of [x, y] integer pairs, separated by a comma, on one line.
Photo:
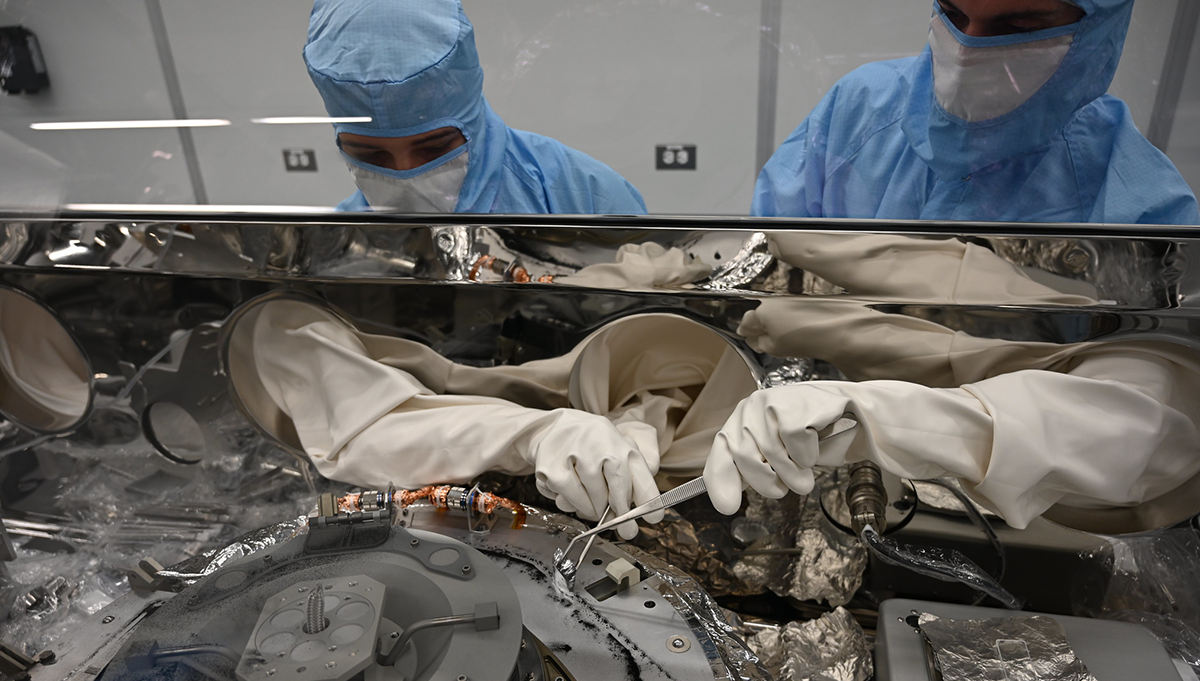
{"points": [[881, 146], [412, 67]]}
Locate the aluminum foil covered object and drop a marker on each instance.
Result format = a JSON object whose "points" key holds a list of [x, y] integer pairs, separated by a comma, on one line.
{"points": [[1023, 648], [692, 546], [193, 569], [805, 556], [832, 647]]}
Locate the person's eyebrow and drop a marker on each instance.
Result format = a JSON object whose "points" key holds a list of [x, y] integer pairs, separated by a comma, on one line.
{"points": [[1027, 14], [438, 137], [360, 145]]}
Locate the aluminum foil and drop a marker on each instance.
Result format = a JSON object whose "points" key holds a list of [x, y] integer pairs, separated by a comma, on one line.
{"points": [[801, 555], [728, 655], [832, 647], [787, 371], [1020, 648], [694, 547], [193, 569], [744, 267], [455, 249]]}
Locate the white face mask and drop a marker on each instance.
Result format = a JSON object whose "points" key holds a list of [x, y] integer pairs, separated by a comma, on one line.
{"points": [[434, 191], [980, 83]]}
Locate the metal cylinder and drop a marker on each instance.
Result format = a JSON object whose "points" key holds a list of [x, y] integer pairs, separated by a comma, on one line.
{"points": [[866, 497]]}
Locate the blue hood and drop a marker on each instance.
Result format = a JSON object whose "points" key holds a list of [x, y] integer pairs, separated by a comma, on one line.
{"points": [[951, 145], [411, 66]]}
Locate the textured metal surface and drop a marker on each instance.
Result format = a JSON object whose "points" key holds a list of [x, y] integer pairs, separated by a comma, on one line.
{"points": [[1021, 648], [801, 554], [832, 647]]}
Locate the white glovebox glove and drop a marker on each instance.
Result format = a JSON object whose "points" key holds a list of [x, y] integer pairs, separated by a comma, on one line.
{"points": [[645, 266], [44, 374], [363, 420], [1116, 429]]}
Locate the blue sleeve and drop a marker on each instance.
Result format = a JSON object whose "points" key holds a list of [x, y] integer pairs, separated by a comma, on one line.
{"points": [[568, 181], [792, 182], [1134, 182]]}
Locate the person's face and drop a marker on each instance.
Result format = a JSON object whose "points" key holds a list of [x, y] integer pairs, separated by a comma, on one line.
{"points": [[402, 153], [983, 18]]}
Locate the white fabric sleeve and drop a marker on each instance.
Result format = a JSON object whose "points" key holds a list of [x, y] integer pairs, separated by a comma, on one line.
{"points": [[645, 266], [1118, 429], [366, 422]]}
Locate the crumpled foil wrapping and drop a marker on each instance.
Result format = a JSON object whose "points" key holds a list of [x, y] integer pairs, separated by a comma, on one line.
{"points": [[695, 546], [193, 569], [744, 267], [816, 560], [1020, 648], [729, 656], [832, 647], [787, 371]]}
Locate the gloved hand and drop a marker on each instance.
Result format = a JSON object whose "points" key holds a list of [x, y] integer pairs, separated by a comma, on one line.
{"points": [[584, 464], [770, 444], [370, 423]]}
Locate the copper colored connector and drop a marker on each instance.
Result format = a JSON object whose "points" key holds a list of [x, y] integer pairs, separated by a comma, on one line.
{"points": [[484, 261], [444, 497]]}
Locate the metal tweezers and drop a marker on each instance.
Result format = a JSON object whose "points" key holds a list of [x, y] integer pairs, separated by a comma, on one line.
{"points": [[694, 488]]}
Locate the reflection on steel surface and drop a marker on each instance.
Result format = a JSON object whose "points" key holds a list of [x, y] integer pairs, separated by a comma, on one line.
{"points": [[128, 284]]}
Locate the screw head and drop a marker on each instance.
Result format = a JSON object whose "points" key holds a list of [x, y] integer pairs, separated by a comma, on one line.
{"points": [[107, 619], [47, 657], [466, 569], [302, 589], [678, 644], [270, 672], [330, 664], [353, 583], [332, 648], [414, 543]]}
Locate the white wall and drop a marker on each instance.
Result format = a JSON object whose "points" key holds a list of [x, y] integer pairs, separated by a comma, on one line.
{"points": [[1184, 145], [103, 65], [241, 60], [610, 77], [614, 79]]}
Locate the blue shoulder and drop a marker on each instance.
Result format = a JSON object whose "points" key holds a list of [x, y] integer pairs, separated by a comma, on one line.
{"points": [[354, 203], [1126, 178], [865, 101], [571, 181]]}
